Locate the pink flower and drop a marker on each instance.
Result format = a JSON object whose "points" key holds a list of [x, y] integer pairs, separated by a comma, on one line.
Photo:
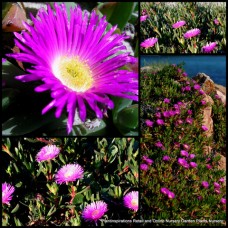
{"points": [[196, 86], [184, 74], [203, 102], [209, 47], [144, 167], [217, 190], [216, 185], [183, 162], [208, 166], [193, 164], [166, 158], [222, 180], [131, 200], [188, 88], [167, 100], [149, 123], [223, 201], [164, 191], [186, 146], [171, 195], [7, 191], [216, 21], [199, 197], [189, 120], [205, 184], [158, 114], [189, 112], [201, 92], [159, 144], [70, 172], [191, 33], [191, 156], [148, 160], [184, 153], [47, 153], [160, 122], [94, 211], [150, 42], [166, 114], [204, 128], [143, 18], [217, 97], [178, 24]]}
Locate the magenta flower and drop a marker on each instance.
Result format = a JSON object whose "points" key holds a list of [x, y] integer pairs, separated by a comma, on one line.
{"points": [[166, 114], [201, 92], [131, 200], [158, 114], [171, 195], [178, 24], [196, 87], [144, 167], [166, 158], [216, 185], [217, 190], [184, 74], [204, 128], [216, 21], [184, 153], [164, 191], [191, 156], [159, 144], [160, 122], [205, 184], [78, 60], [199, 197], [183, 162], [150, 42], [217, 97], [47, 153], [94, 211], [148, 161], [186, 146], [187, 88], [143, 18], [223, 201], [167, 100], [70, 172], [193, 164], [191, 33], [189, 112], [149, 123], [7, 191], [209, 47], [203, 102], [189, 120], [208, 166], [222, 180]]}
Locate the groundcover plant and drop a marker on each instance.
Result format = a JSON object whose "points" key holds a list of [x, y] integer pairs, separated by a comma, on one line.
{"points": [[181, 180], [69, 181], [183, 27], [79, 67]]}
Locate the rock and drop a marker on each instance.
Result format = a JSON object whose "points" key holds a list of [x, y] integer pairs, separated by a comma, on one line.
{"points": [[221, 91], [206, 83], [222, 162]]}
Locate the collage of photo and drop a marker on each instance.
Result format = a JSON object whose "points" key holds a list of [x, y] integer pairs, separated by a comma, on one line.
{"points": [[113, 114]]}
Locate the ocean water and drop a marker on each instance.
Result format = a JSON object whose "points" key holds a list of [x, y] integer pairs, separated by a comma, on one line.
{"points": [[213, 66]]}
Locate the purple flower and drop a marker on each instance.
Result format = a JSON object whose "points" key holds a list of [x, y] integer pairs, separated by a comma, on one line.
{"points": [[193, 164], [186, 146], [150, 42], [131, 200], [188, 88], [208, 166], [223, 201], [178, 24], [149, 123], [217, 190], [94, 211], [191, 33], [184, 74], [183, 162], [143, 18], [164, 191], [217, 97], [166, 158], [159, 144], [149, 161], [197, 87], [189, 120], [205, 184], [216, 185], [201, 92], [158, 114], [189, 112], [209, 47], [166, 114], [167, 100], [171, 195], [199, 197], [70, 172], [47, 153], [7, 191], [216, 21], [179, 70], [204, 128], [179, 121], [160, 122], [203, 102], [222, 180], [184, 153], [144, 167], [78, 60], [191, 156]]}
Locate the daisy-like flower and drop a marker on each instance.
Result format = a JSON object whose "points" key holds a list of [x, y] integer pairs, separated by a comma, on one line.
{"points": [[7, 191], [184, 153], [47, 152], [209, 47], [205, 184], [171, 195], [150, 42], [178, 24], [164, 191], [131, 200], [193, 164], [149, 123], [143, 18], [204, 128], [94, 211], [191, 33], [70, 172], [166, 158], [78, 60], [191, 156], [166, 100], [216, 21], [223, 201], [222, 180], [144, 166]]}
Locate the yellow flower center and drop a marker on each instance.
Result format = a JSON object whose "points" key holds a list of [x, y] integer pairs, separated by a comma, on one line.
{"points": [[134, 202], [73, 73], [95, 213]]}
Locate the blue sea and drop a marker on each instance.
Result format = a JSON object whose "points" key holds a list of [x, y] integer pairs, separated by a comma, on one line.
{"points": [[214, 66]]}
